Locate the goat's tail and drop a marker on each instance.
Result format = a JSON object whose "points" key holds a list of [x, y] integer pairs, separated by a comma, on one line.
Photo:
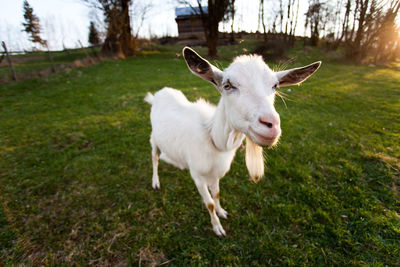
{"points": [[149, 98], [254, 160]]}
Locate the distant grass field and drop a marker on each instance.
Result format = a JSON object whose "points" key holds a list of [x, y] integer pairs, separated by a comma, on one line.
{"points": [[75, 172], [36, 64]]}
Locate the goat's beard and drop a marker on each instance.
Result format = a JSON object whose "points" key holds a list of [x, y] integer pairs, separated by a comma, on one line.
{"points": [[270, 144], [254, 160]]}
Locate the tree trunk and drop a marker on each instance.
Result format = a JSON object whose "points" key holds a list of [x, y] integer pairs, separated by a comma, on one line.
{"points": [[287, 20], [281, 14], [119, 38], [314, 33], [216, 12], [354, 21], [53, 67], [14, 74], [345, 26], [126, 40], [263, 21], [293, 34], [212, 41], [360, 31], [232, 39]]}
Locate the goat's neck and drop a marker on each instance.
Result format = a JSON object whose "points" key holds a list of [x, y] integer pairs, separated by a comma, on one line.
{"points": [[223, 135]]}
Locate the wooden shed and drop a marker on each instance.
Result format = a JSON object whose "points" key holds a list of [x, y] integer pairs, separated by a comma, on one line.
{"points": [[190, 25]]}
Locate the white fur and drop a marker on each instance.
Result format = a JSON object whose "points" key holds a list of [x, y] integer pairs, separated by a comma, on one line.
{"points": [[204, 138]]}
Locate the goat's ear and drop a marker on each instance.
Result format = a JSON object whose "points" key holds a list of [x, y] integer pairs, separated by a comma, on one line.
{"points": [[297, 75], [201, 67]]}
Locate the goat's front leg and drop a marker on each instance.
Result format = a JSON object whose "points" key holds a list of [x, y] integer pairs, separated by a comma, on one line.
{"points": [[214, 188], [209, 202]]}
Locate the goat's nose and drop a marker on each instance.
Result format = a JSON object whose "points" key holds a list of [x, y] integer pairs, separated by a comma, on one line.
{"points": [[269, 121]]}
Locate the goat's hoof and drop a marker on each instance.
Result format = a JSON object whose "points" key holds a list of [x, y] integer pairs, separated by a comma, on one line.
{"points": [[222, 213], [219, 231], [156, 186]]}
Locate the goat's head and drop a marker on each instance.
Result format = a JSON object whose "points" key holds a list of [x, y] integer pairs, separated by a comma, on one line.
{"points": [[248, 87]]}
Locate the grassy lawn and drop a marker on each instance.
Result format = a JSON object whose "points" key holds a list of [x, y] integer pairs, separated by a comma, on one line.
{"points": [[75, 172]]}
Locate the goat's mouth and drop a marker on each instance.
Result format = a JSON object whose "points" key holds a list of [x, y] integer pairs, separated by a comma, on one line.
{"points": [[263, 140]]}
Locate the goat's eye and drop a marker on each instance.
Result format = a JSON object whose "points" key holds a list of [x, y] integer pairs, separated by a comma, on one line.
{"points": [[275, 86], [228, 86]]}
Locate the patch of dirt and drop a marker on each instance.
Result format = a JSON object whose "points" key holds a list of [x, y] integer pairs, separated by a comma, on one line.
{"points": [[150, 257], [389, 161], [77, 139], [43, 73]]}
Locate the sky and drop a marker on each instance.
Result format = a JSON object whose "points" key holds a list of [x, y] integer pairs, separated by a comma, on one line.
{"points": [[70, 18], [65, 23]]}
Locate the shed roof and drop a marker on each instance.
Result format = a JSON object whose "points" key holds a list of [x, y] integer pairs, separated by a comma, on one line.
{"points": [[185, 12]]}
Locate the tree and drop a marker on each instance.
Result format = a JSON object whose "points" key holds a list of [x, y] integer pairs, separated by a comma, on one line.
{"points": [[345, 25], [31, 25], [119, 39], [367, 29], [376, 36], [93, 34], [261, 18], [139, 14], [288, 17], [317, 16], [293, 25], [363, 4], [217, 9], [281, 11], [231, 15], [216, 12]]}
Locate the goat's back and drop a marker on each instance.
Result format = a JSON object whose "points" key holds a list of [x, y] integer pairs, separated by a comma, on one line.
{"points": [[179, 127], [172, 107]]}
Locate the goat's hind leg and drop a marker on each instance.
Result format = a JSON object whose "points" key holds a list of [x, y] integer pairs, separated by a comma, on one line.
{"points": [[154, 159]]}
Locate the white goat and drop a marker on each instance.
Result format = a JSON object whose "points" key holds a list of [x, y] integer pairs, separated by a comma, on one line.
{"points": [[203, 138]]}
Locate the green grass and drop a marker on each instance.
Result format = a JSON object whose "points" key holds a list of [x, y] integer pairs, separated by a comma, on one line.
{"points": [[75, 172]]}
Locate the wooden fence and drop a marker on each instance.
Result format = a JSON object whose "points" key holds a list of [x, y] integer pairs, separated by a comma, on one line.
{"points": [[15, 59]]}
